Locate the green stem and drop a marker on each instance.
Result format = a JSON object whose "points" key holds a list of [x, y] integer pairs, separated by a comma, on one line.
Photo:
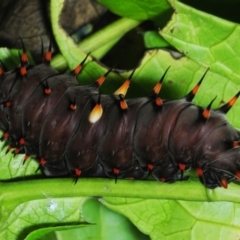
{"points": [[14, 193], [100, 42]]}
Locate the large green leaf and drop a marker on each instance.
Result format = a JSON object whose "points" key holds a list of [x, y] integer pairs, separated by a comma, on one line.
{"points": [[208, 40], [168, 219]]}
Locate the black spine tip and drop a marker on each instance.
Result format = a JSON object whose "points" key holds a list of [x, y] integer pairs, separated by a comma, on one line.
{"points": [[116, 178], [39, 167], [76, 180], [226, 107], [189, 97]]}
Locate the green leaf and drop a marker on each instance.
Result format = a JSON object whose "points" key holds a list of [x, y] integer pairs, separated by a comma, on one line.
{"points": [[153, 40], [208, 40], [34, 214], [137, 9], [98, 44], [168, 219]]}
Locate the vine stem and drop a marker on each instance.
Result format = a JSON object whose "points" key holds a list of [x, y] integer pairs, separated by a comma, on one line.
{"points": [[14, 193]]}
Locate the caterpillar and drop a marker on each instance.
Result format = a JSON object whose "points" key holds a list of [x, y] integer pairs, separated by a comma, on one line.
{"points": [[74, 130]]}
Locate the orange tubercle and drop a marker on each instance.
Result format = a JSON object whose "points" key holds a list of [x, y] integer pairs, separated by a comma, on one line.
{"points": [[21, 141], [42, 161], [8, 104], [47, 91], [78, 172], [73, 106], [116, 171], [159, 101], [123, 104], [24, 57], [48, 56], [199, 172], [206, 113], [6, 135], [224, 183], [181, 166], [150, 167], [16, 151], [237, 175], [23, 71]]}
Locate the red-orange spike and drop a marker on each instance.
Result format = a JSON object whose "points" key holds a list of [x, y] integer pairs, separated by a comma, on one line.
{"points": [[1, 71], [47, 89], [23, 71], [73, 105], [123, 103], [22, 141], [8, 104], [199, 172], [181, 166], [115, 172], [42, 162], [150, 167], [207, 111], [6, 135], [224, 183], [48, 55], [162, 179], [158, 101], [189, 97], [79, 67], [158, 86], [226, 107], [101, 80], [236, 144], [78, 172], [16, 151], [24, 57], [237, 175]]}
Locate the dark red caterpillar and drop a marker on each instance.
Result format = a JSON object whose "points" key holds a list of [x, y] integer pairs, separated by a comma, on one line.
{"points": [[73, 129]]}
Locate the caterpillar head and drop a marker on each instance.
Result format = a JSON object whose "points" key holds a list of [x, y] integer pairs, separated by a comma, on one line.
{"points": [[218, 157]]}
